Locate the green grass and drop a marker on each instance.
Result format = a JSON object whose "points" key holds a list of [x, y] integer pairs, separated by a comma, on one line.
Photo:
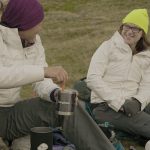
{"points": [[74, 29]]}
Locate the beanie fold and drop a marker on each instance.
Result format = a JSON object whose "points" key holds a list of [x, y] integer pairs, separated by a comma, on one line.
{"points": [[138, 17], [22, 14]]}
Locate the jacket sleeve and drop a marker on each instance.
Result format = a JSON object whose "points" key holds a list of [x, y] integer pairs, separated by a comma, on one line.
{"points": [[95, 82], [18, 75], [143, 94], [45, 87]]}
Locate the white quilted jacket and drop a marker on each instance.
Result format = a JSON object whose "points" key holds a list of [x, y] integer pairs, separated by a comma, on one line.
{"points": [[115, 74], [20, 66]]}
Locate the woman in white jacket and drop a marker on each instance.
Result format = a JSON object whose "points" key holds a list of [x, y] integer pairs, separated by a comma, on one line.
{"points": [[22, 61], [119, 77]]}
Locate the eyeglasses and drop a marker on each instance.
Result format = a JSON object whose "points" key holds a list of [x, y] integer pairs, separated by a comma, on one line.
{"points": [[134, 29]]}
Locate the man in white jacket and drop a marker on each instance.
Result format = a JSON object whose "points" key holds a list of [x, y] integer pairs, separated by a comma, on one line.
{"points": [[119, 77], [22, 61]]}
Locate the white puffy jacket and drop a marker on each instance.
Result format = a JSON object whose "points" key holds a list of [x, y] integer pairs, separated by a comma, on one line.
{"points": [[20, 66], [115, 74]]}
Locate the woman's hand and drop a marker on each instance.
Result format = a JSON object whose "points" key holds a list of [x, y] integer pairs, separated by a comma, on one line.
{"points": [[57, 74], [131, 107]]}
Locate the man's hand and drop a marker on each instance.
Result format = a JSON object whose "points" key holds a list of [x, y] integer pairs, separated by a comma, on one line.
{"points": [[57, 74], [131, 107], [55, 95]]}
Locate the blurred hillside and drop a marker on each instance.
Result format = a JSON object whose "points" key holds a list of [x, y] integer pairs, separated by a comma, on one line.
{"points": [[73, 29]]}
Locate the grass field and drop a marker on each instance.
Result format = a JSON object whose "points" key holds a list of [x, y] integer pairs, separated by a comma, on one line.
{"points": [[73, 29]]}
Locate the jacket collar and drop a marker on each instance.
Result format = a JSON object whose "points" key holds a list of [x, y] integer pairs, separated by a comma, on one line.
{"points": [[11, 37], [118, 40]]}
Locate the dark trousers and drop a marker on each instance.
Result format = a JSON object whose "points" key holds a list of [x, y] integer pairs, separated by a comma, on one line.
{"points": [[16, 121], [136, 125]]}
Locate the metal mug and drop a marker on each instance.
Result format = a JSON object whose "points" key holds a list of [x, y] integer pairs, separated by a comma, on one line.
{"points": [[41, 138], [66, 102]]}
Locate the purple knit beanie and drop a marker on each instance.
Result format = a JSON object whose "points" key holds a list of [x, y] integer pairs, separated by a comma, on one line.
{"points": [[22, 14]]}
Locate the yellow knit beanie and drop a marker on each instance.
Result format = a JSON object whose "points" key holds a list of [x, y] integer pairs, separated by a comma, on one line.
{"points": [[138, 17]]}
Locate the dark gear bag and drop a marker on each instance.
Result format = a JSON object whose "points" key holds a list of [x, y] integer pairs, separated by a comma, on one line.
{"points": [[84, 93]]}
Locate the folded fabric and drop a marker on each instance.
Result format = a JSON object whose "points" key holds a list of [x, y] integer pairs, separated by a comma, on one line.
{"points": [[59, 147], [60, 140]]}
